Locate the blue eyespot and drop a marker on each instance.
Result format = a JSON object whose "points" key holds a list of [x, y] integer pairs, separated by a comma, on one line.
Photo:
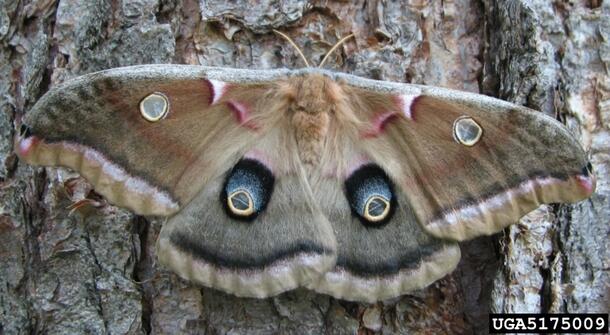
{"points": [[247, 190], [370, 194]]}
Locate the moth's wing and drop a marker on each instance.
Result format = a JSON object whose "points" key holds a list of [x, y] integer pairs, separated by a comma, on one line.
{"points": [[458, 185], [379, 261], [287, 245], [94, 124]]}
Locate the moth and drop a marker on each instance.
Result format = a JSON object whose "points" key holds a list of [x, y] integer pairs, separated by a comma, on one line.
{"points": [[276, 179]]}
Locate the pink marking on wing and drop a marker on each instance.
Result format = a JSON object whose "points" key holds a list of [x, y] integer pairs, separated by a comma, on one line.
{"points": [[405, 103], [379, 123], [26, 145], [586, 182], [217, 90], [260, 156], [242, 114]]}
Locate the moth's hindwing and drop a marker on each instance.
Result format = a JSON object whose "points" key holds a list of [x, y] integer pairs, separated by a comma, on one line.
{"points": [[281, 244], [383, 253]]}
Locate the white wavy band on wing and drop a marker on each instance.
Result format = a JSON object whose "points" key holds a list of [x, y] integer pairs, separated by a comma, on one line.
{"points": [[342, 284], [275, 278], [108, 178], [494, 213]]}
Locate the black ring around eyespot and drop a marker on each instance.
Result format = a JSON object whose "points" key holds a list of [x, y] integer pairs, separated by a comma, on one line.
{"points": [[249, 182], [367, 184]]}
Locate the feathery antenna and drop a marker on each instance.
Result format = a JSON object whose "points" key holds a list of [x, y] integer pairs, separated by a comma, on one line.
{"points": [[294, 45], [341, 41], [338, 44]]}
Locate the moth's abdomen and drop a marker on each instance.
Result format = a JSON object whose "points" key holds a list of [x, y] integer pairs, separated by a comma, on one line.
{"points": [[311, 131]]}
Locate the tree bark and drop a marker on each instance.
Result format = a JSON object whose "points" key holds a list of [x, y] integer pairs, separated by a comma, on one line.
{"points": [[95, 271]]}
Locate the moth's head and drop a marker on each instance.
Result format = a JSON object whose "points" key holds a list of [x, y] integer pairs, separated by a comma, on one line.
{"points": [[316, 93]]}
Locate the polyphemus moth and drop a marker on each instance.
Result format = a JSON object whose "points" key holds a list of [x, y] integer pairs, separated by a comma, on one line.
{"points": [[277, 179]]}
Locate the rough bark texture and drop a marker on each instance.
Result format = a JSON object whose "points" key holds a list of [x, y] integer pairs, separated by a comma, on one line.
{"points": [[95, 271]]}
